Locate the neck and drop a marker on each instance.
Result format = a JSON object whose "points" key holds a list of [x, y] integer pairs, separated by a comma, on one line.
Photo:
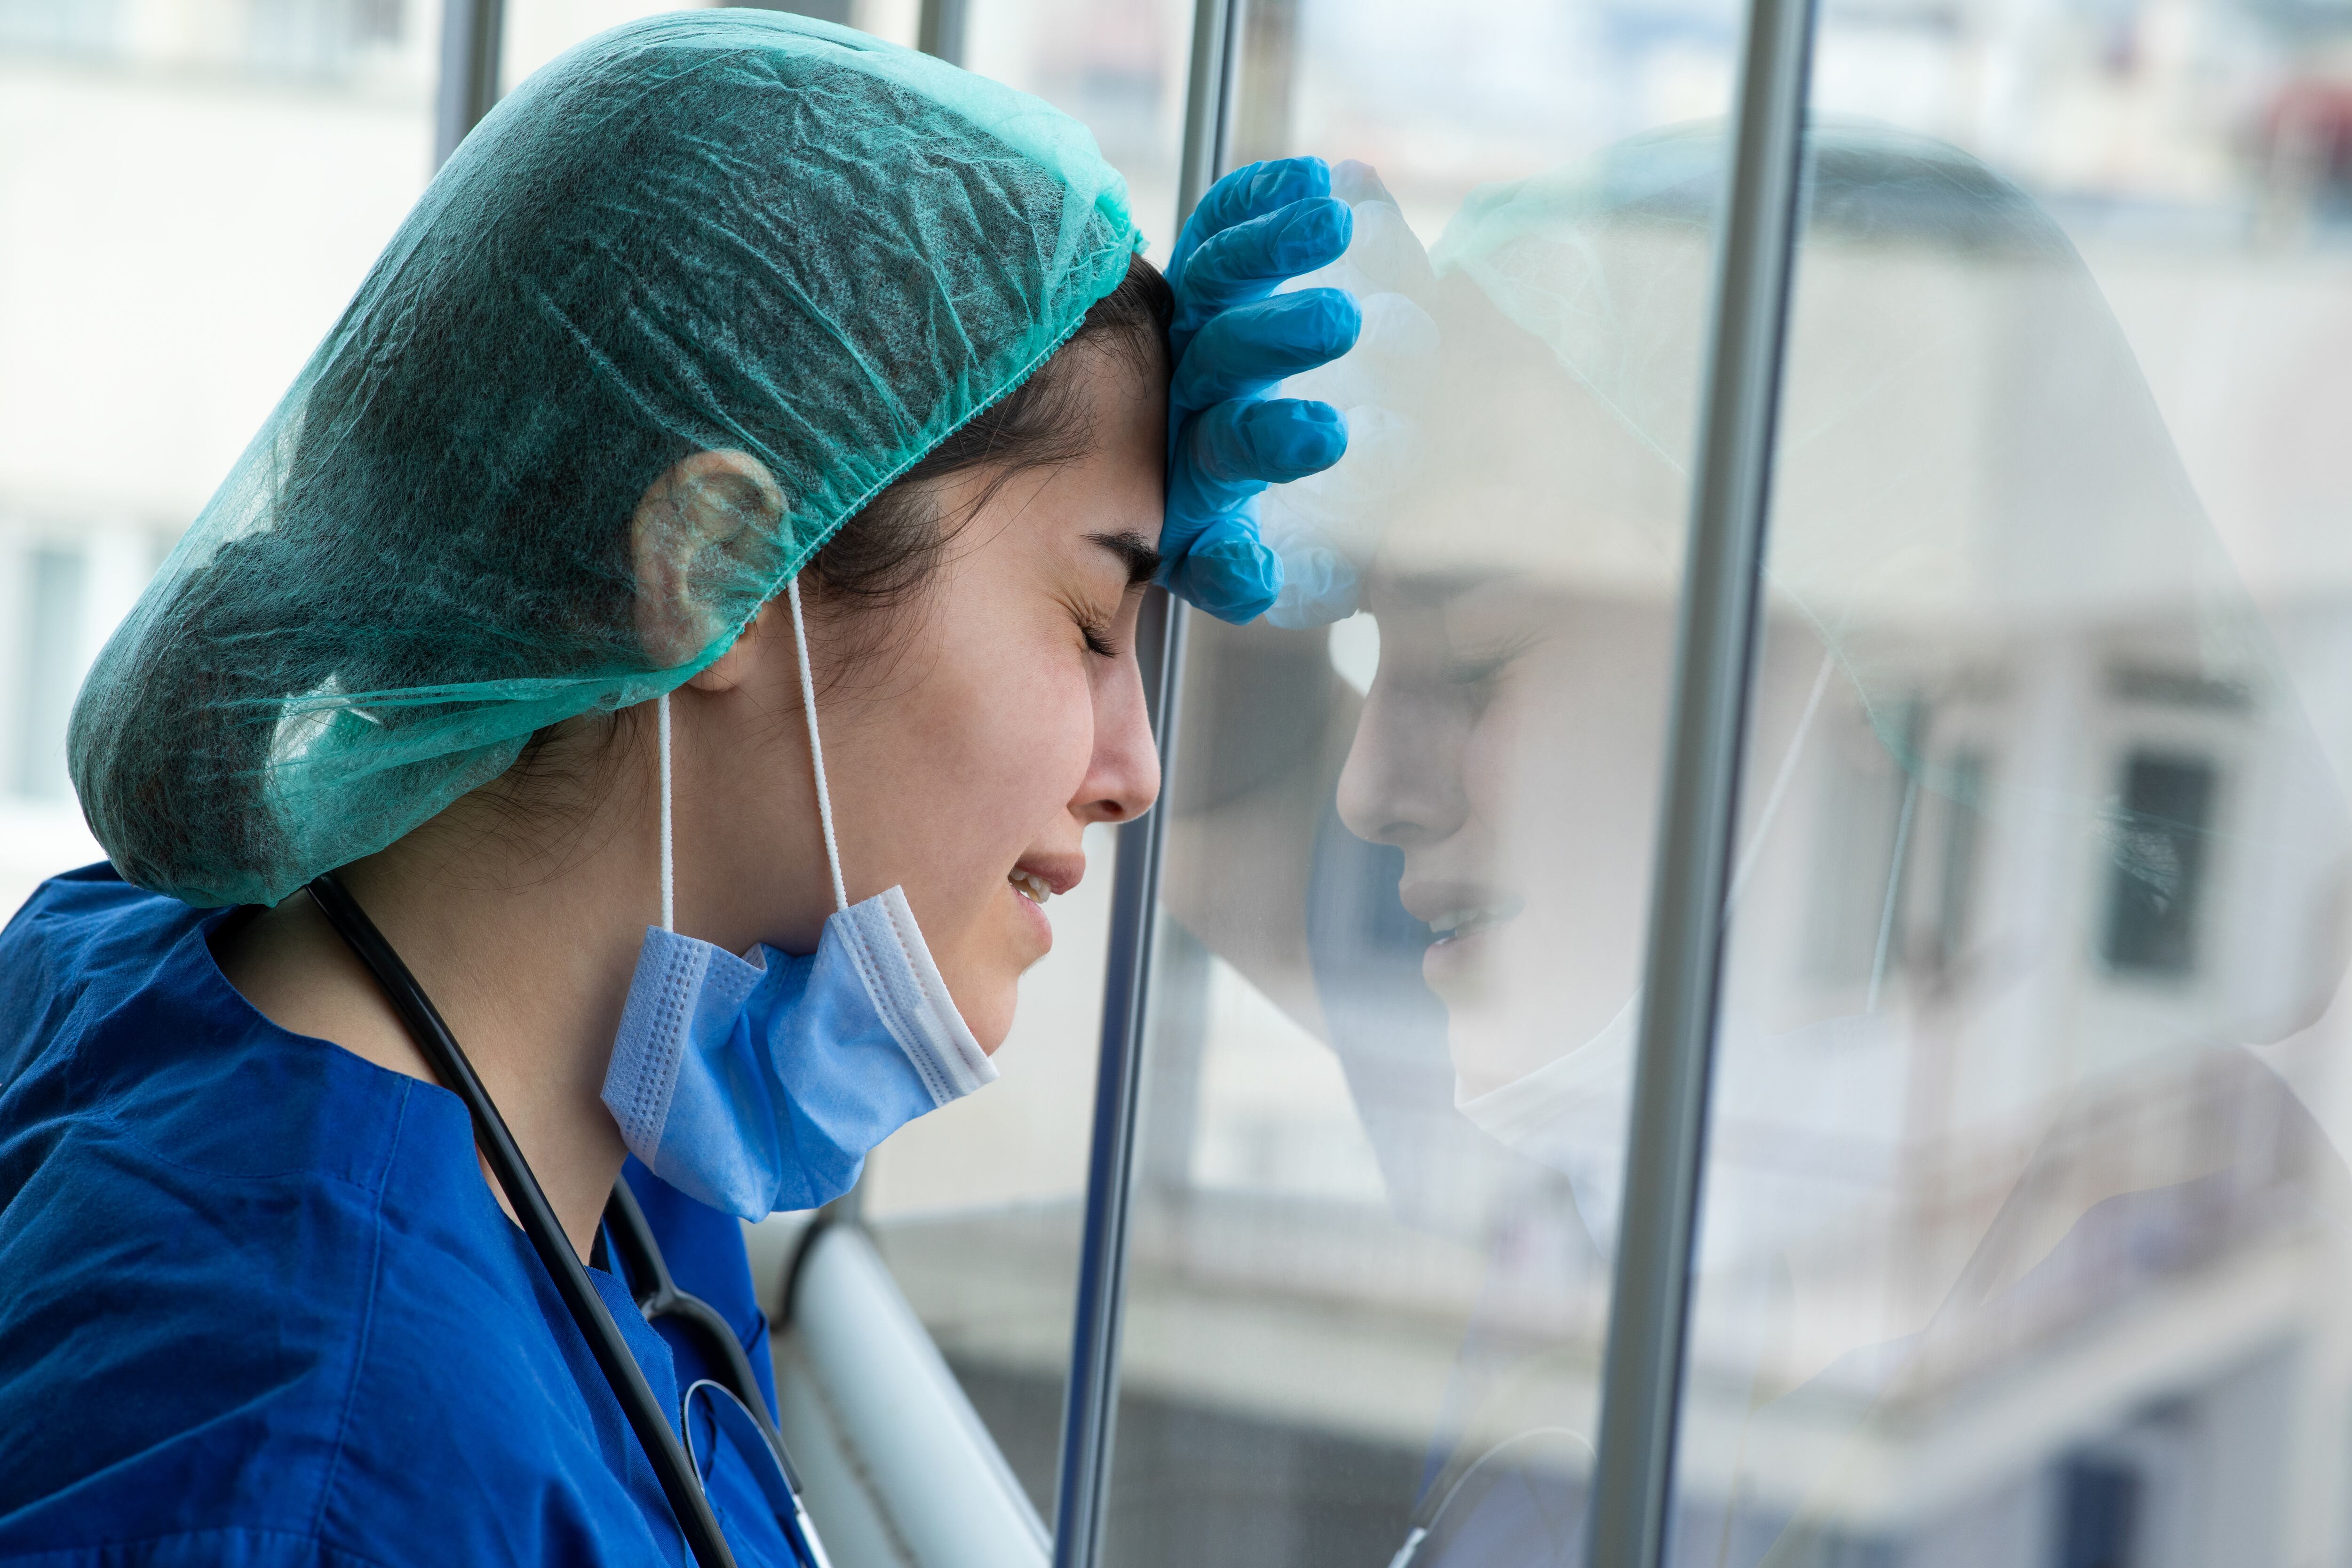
{"points": [[529, 965]]}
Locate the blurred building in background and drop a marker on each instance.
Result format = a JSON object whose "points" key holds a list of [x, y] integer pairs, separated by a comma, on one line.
{"points": [[190, 189]]}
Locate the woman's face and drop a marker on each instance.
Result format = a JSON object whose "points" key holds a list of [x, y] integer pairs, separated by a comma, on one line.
{"points": [[1510, 742], [968, 738], [1508, 747]]}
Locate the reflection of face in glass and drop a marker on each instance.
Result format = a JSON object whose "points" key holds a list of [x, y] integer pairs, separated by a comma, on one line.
{"points": [[1509, 742]]}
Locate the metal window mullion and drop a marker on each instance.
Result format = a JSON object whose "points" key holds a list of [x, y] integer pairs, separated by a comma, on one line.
{"points": [[939, 29], [1090, 1400], [469, 70], [1715, 648], [1090, 1406]]}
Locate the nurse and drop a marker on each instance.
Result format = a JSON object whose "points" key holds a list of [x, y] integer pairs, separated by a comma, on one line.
{"points": [[675, 632]]}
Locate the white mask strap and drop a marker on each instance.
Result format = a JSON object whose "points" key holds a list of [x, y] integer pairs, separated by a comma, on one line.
{"points": [[816, 749], [668, 865]]}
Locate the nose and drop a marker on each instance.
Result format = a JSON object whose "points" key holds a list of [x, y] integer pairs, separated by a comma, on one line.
{"points": [[1403, 781], [1122, 776]]}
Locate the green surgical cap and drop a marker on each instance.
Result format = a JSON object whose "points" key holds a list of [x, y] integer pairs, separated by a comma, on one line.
{"points": [[717, 231]]}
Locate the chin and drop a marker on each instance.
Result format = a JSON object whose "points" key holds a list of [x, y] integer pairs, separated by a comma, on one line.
{"points": [[992, 1020]]}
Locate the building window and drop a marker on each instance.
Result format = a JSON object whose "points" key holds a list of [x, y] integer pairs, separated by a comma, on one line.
{"points": [[1964, 786], [2098, 1502], [1854, 929], [2158, 872]]}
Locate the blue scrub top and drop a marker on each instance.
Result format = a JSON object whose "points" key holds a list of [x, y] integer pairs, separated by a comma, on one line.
{"points": [[260, 1306]]}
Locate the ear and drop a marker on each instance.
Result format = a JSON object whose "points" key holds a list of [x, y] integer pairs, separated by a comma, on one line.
{"points": [[680, 543], [727, 671]]}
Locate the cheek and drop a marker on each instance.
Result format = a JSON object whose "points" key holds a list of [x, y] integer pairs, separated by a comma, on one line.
{"points": [[1011, 746], [1495, 769], [1032, 747]]}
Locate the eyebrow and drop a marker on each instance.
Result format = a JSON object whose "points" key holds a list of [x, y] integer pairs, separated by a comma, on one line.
{"points": [[1142, 561], [1435, 590]]}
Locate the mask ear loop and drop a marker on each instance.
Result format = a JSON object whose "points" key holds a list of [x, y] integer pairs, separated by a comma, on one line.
{"points": [[816, 748], [668, 864]]}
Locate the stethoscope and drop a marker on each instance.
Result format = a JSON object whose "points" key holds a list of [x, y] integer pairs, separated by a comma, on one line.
{"points": [[734, 1404]]}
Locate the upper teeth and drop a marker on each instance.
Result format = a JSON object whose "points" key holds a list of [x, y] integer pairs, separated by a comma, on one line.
{"points": [[1035, 886], [1479, 915]]}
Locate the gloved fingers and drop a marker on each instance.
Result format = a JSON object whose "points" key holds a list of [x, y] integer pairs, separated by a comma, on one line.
{"points": [[1246, 192], [1383, 460], [1395, 358], [1250, 347], [1225, 456], [1244, 262], [1195, 494], [1272, 441], [1227, 571], [1320, 586]]}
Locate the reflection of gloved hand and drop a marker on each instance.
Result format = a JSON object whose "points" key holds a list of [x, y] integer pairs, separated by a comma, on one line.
{"points": [[1323, 528], [1233, 338]]}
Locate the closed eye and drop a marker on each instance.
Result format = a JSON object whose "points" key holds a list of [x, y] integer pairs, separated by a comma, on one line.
{"points": [[1484, 665]]}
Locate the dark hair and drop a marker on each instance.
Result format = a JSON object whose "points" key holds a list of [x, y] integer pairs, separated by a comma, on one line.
{"points": [[887, 553]]}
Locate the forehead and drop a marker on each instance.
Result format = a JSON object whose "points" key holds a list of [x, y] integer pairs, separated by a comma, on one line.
{"points": [[1101, 472], [1523, 472]]}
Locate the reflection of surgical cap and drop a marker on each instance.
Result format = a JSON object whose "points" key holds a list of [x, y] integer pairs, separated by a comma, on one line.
{"points": [[1964, 436], [1974, 499], [721, 231]]}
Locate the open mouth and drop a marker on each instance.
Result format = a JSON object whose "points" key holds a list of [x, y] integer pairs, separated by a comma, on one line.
{"points": [[1454, 925], [1030, 885]]}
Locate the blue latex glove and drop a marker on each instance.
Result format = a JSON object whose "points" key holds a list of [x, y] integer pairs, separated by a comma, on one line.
{"points": [[1234, 338]]}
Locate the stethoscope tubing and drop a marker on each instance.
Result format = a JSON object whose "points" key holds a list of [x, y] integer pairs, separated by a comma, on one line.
{"points": [[638, 1262], [668, 1456], [648, 1275]]}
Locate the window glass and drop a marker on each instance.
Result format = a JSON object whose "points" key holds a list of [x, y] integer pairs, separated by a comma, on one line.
{"points": [[1118, 64], [977, 1208], [2022, 1221], [188, 195], [1409, 848]]}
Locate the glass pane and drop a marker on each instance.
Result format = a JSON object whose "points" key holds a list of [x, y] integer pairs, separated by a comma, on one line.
{"points": [[1118, 64], [2023, 1225], [188, 195], [1410, 846], [977, 1208]]}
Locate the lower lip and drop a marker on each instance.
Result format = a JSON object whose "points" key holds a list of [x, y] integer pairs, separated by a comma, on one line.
{"points": [[1453, 959], [1033, 914]]}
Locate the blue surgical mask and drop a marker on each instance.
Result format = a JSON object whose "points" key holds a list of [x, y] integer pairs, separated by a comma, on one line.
{"points": [[759, 1084]]}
